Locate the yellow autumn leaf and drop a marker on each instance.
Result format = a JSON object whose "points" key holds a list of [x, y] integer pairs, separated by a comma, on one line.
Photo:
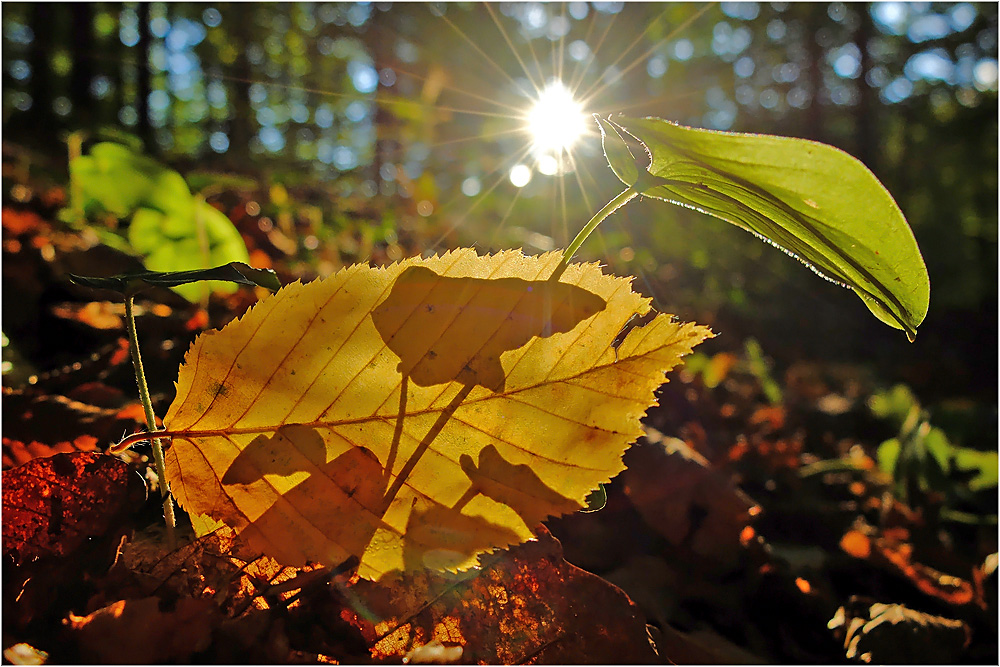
{"points": [[415, 415]]}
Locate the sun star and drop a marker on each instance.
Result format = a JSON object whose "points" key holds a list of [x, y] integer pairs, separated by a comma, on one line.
{"points": [[556, 121]]}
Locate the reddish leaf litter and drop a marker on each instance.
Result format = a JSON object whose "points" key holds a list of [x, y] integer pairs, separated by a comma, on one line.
{"points": [[524, 606], [53, 504]]}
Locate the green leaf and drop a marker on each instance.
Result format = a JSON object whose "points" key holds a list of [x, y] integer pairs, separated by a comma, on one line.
{"points": [[200, 181], [761, 370], [132, 283], [983, 464], [116, 135], [596, 500], [931, 462], [617, 152], [888, 456], [894, 404], [814, 201], [201, 238], [115, 179], [938, 447]]}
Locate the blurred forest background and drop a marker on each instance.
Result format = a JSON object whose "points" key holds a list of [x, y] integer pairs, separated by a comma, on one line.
{"points": [[402, 125]]}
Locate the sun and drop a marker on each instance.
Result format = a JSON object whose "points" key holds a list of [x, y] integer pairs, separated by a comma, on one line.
{"points": [[555, 122]]}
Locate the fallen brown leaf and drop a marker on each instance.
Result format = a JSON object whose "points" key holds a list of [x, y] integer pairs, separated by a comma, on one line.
{"points": [[527, 605], [138, 632]]}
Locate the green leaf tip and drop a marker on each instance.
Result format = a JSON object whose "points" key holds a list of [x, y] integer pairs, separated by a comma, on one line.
{"points": [[596, 500], [617, 152], [133, 283], [815, 202]]}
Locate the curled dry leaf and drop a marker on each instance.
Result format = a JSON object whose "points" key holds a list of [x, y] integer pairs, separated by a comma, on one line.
{"points": [[892, 553], [881, 633], [524, 606], [415, 415], [52, 505]]}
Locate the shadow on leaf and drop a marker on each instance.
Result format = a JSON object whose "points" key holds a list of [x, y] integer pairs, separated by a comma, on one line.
{"points": [[455, 329], [315, 509], [517, 486], [293, 448]]}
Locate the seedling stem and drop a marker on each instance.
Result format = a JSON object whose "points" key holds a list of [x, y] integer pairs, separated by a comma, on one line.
{"points": [[610, 208], [147, 405]]}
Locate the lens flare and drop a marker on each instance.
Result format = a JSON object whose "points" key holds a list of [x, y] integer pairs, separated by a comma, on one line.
{"points": [[556, 121]]}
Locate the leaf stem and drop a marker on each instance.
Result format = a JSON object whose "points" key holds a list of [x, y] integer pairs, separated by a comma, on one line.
{"points": [[147, 405], [608, 209], [411, 462]]}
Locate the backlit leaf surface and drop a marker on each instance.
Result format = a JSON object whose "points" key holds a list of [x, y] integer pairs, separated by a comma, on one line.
{"points": [[812, 200], [415, 415]]}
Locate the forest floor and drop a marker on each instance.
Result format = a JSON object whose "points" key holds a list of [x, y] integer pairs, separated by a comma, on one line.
{"points": [[753, 523]]}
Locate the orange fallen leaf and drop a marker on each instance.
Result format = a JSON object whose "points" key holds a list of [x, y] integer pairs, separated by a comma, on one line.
{"points": [[138, 632], [891, 552], [18, 222], [929, 581], [683, 498]]}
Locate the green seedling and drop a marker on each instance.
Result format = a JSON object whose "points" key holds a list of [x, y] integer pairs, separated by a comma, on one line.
{"points": [[171, 228], [922, 459], [131, 284]]}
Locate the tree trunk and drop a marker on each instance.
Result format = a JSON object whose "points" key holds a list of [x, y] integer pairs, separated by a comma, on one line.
{"points": [[143, 129], [82, 52], [42, 19], [240, 20], [865, 120], [387, 145]]}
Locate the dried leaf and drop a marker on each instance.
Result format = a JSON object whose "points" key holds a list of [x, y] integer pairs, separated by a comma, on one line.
{"points": [[434, 653], [856, 543], [527, 605], [684, 499], [416, 415], [889, 551], [25, 654], [16, 452], [38, 424], [703, 647], [198, 568], [52, 505], [892, 633], [18, 222], [137, 632]]}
